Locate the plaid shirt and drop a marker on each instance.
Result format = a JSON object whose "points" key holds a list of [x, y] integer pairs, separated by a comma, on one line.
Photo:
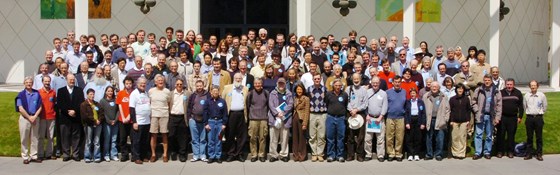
{"points": [[317, 98], [193, 78]]}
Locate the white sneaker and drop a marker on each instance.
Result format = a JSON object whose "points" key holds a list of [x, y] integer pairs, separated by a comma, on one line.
{"points": [[409, 158], [204, 160], [115, 159], [194, 160], [416, 158], [107, 159]]}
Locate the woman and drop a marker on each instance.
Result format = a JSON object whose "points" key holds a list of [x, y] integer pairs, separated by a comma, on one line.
{"points": [[292, 38], [258, 44], [335, 46], [279, 69], [293, 80], [232, 68], [448, 87], [303, 42], [461, 109], [299, 127], [111, 128], [222, 53], [92, 117], [425, 49], [269, 80], [415, 119], [471, 57], [296, 65]]}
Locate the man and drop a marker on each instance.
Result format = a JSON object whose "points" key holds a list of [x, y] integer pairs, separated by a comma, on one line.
{"points": [[169, 36], [357, 105], [259, 69], [235, 96], [482, 68], [48, 61], [512, 113], [396, 98], [377, 105], [119, 73], [107, 56], [137, 71], [307, 78], [438, 57], [83, 76], [91, 63], [125, 122], [496, 79], [38, 79], [452, 64], [160, 100], [139, 107], [487, 106], [408, 51], [375, 49], [336, 75], [374, 73], [68, 101], [383, 44], [215, 115], [160, 67], [181, 45], [195, 119], [317, 118], [162, 46], [173, 76], [121, 51], [363, 78], [280, 121], [97, 83], [363, 48], [327, 71], [248, 79], [317, 56], [196, 76], [92, 47], [47, 121], [257, 105], [399, 66], [464, 77], [114, 39], [58, 51], [29, 106], [185, 66], [153, 56], [75, 58], [336, 103], [416, 76], [141, 48], [386, 75], [535, 104], [218, 77], [426, 70], [437, 116]]}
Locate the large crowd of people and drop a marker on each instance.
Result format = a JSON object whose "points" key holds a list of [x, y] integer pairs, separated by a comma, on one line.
{"points": [[123, 99]]}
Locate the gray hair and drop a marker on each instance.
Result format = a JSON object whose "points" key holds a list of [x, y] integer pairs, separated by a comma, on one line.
{"points": [[28, 78], [141, 79]]}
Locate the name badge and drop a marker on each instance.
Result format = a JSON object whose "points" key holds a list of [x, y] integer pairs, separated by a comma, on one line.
{"points": [[280, 70], [437, 102], [484, 72], [229, 94], [112, 103], [184, 97], [220, 104], [416, 83], [340, 99], [390, 80], [248, 85], [284, 97], [249, 66], [456, 66], [353, 97], [51, 99], [421, 108], [379, 97], [96, 108], [488, 99], [201, 102]]}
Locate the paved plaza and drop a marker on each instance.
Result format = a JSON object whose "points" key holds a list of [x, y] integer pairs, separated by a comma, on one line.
{"points": [[550, 166]]}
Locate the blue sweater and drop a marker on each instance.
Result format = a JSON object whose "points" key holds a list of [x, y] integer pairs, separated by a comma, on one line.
{"points": [[396, 101]]}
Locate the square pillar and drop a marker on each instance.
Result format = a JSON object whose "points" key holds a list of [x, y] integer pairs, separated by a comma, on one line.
{"points": [[409, 20], [81, 18], [191, 15], [494, 50], [555, 45], [303, 17]]}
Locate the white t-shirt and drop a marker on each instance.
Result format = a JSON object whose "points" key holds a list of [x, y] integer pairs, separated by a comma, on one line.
{"points": [[160, 101], [141, 103]]}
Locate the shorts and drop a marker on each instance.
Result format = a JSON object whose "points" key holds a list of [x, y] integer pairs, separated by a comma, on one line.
{"points": [[159, 125]]}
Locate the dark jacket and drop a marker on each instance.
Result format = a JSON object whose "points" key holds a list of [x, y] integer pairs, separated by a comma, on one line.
{"points": [[99, 57], [80, 79], [421, 112], [86, 113], [512, 103], [460, 108], [66, 101]]}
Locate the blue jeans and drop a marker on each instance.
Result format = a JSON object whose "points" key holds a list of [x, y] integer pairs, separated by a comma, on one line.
{"points": [[439, 135], [110, 139], [92, 139], [214, 142], [486, 126], [198, 135], [336, 127]]}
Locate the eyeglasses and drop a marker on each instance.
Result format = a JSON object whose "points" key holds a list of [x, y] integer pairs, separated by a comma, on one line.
{"points": [[464, 65], [402, 54], [179, 85], [323, 42]]}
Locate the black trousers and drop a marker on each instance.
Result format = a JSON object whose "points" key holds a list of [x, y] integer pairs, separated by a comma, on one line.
{"points": [[70, 134], [141, 143], [236, 133], [534, 125], [177, 134], [505, 141], [413, 137], [355, 139], [124, 133]]}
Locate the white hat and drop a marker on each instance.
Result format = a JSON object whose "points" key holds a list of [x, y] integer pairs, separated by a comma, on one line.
{"points": [[355, 122], [278, 123], [418, 51]]}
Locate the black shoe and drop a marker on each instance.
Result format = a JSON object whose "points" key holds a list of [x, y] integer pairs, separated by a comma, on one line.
{"points": [[390, 159], [439, 158], [173, 156], [476, 157], [182, 158], [285, 159], [124, 157], [330, 159], [341, 159], [380, 159], [539, 157], [229, 159], [510, 155], [219, 160], [210, 161], [66, 159], [254, 159], [367, 159], [273, 159], [76, 159], [487, 156], [262, 159], [528, 157], [241, 158], [499, 155], [399, 159], [360, 159], [428, 158]]}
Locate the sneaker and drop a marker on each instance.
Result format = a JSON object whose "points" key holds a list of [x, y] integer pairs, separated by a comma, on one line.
{"points": [[194, 160], [416, 158], [320, 158], [439, 158], [204, 160], [341, 159], [410, 158], [115, 158], [313, 158], [330, 159], [107, 159], [97, 161], [87, 160], [210, 161]]}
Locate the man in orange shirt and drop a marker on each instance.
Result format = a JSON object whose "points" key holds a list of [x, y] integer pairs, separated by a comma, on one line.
{"points": [[125, 124], [407, 82], [47, 122], [386, 74]]}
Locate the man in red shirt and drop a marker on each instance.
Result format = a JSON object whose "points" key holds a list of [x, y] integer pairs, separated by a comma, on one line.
{"points": [[125, 124], [407, 82], [386, 74], [47, 122]]}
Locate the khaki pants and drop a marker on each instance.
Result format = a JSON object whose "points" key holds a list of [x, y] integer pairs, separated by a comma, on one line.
{"points": [[46, 133], [276, 134], [394, 137], [380, 147], [459, 139], [317, 133], [28, 133], [258, 130]]}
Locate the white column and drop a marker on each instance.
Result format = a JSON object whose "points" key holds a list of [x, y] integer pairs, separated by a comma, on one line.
{"points": [[494, 50], [191, 15], [303, 17], [409, 19], [555, 45], [81, 18]]}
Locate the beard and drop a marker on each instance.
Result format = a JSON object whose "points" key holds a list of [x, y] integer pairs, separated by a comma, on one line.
{"points": [[237, 84], [98, 80]]}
